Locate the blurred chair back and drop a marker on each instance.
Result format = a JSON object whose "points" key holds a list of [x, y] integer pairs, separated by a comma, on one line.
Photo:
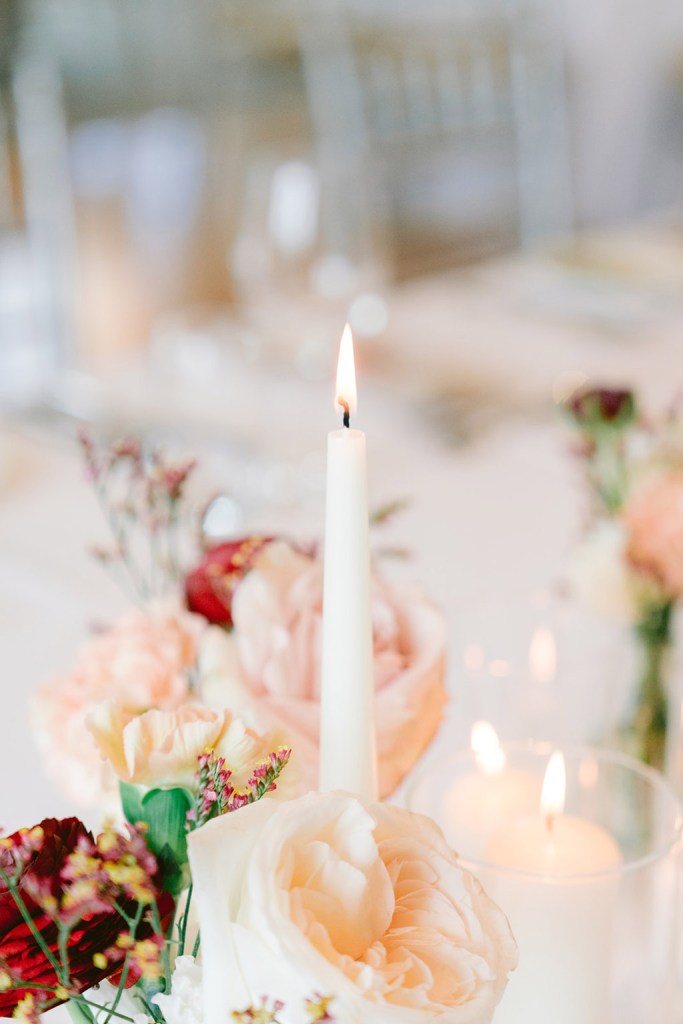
{"points": [[442, 126]]}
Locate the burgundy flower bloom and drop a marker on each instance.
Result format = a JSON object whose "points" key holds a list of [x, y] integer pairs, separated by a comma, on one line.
{"points": [[43, 878], [592, 407], [209, 588]]}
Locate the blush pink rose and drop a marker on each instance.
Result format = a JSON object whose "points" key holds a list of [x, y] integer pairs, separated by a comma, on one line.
{"points": [[654, 522], [362, 902], [268, 668], [142, 661], [161, 747]]}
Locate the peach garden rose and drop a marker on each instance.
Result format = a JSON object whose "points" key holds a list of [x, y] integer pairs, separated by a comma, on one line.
{"points": [[143, 660], [364, 903], [268, 668]]}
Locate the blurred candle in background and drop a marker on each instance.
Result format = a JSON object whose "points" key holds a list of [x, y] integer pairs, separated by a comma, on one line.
{"points": [[542, 655], [476, 802]]}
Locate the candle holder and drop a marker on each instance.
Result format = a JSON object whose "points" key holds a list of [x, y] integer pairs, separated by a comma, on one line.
{"points": [[598, 945], [538, 664]]}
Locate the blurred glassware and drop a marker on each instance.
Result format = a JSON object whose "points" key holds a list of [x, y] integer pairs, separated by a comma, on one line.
{"points": [[280, 160], [431, 121], [540, 665], [131, 123]]}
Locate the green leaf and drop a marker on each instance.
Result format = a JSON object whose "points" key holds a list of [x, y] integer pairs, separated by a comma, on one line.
{"points": [[164, 812], [131, 802], [176, 876]]}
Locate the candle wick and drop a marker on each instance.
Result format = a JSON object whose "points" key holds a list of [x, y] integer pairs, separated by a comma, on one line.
{"points": [[549, 822], [346, 420]]}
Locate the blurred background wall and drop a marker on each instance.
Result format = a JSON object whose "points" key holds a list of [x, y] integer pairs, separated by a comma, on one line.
{"points": [[259, 166]]}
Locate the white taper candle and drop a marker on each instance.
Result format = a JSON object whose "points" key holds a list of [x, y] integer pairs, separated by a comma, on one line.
{"points": [[347, 732]]}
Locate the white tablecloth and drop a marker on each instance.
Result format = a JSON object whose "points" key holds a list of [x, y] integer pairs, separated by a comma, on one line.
{"points": [[489, 522]]}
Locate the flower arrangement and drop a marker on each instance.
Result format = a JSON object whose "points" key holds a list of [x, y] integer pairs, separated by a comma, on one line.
{"points": [[240, 630], [225, 894], [76, 910], [630, 561], [347, 911]]}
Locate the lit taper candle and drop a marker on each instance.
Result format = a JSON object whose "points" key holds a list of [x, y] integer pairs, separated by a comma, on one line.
{"points": [[347, 730]]}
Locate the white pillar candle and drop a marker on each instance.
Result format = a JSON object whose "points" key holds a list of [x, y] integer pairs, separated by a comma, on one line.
{"points": [[552, 878], [347, 734], [477, 802]]}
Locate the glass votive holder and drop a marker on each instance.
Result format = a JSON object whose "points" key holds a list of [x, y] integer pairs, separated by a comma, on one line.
{"points": [[539, 664], [591, 890]]}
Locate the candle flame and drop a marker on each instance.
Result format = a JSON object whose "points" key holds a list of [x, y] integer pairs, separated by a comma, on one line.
{"points": [[542, 655], [487, 749], [554, 787], [346, 374], [473, 657]]}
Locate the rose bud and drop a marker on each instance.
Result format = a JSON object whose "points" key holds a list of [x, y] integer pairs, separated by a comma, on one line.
{"points": [[210, 587], [592, 408]]}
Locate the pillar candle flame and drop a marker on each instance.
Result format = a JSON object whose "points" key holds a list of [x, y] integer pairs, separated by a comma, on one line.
{"points": [[487, 749], [542, 655], [346, 398], [554, 788]]}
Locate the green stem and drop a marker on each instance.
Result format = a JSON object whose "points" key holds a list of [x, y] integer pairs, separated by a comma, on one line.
{"points": [[126, 968], [650, 720], [130, 921], [73, 998], [79, 1013], [64, 953], [184, 922], [28, 921], [98, 1006], [156, 922]]}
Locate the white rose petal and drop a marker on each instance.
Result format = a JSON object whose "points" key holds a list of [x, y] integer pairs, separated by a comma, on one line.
{"points": [[600, 573]]}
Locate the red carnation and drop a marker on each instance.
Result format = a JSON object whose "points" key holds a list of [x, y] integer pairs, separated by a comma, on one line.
{"points": [[38, 861], [209, 588]]}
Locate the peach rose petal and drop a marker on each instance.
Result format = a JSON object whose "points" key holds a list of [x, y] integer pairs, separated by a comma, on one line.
{"points": [[160, 748], [364, 902]]}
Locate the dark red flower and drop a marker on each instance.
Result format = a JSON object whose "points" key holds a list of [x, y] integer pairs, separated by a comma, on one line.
{"points": [[209, 588], [593, 407], [40, 871]]}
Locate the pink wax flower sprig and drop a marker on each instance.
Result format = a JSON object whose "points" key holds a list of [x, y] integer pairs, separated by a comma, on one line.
{"points": [[317, 1008], [141, 496], [216, 794]]}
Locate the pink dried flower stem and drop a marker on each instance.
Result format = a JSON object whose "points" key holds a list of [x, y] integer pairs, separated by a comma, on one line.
{"points": [[216, 794], [141, 498], [268, 1009]]}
